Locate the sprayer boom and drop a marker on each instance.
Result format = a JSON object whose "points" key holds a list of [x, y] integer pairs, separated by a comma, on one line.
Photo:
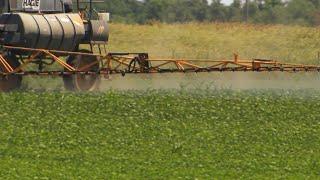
{"points": [[123, 63]]}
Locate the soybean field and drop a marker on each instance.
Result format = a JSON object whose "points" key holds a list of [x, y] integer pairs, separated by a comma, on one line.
{"points": [[160, 134]]}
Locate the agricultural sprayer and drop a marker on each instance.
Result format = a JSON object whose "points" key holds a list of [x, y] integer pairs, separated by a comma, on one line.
{"points": [[42, 33]]}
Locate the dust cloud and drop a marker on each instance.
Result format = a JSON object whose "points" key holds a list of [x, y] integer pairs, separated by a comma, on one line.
{"points": [[213, 80], [225, 80]]}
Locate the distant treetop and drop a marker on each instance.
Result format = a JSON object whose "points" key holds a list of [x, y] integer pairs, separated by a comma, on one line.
{"points": [[301, 12]]}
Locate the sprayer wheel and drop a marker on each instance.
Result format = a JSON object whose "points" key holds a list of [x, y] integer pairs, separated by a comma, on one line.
{"points": [[81, 82], [10, 82]]}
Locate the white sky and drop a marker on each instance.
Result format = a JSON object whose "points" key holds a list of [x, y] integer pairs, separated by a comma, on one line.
{"points": [[227, 1]]}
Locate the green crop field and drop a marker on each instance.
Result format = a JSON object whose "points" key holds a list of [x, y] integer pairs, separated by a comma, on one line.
{"points": [[205, 133], [160, 134]]}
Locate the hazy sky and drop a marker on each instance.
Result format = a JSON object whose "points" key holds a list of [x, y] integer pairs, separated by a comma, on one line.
{"points": [[227, 1], [224, 1]]}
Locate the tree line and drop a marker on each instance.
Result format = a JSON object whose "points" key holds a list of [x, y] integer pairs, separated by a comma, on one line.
{"points": [[301, 12]]}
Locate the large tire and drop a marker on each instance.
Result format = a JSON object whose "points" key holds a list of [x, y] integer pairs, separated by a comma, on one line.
{"points": [[80, 82], [10, 82]]}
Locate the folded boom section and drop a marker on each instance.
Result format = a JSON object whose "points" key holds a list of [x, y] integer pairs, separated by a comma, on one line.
{"points": [[81, 70], [122, 63]]}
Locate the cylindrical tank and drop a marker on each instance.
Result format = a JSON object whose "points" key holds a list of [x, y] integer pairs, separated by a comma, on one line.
{"points": [[48, 31], [99, 31]]}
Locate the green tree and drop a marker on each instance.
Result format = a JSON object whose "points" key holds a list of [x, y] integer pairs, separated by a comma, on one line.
{"points": [[217, 11], [301, 12], [234, 11]]}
